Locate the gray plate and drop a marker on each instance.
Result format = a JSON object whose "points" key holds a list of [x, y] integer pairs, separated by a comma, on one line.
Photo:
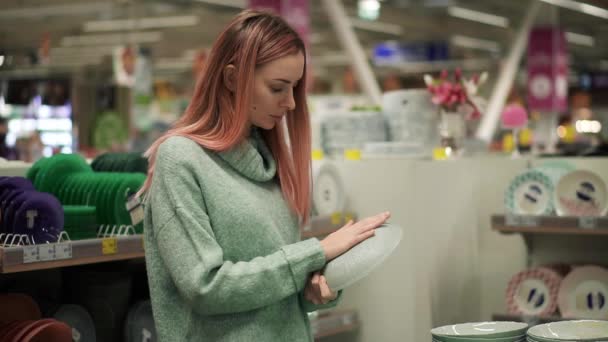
{"points": [[360, 260], [78, 318]]}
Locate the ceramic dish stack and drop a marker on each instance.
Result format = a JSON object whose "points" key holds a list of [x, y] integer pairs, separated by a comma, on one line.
{"points": [[585, 330], [351, 129], [584, 293], [120, 162], [80, 221], [530, 193], [534, 292], [25, 211], [72, 180], [481, 332], [581, 193]]}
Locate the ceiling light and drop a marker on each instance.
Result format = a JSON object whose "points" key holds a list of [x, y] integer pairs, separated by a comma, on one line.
{"points": [[141, 23], [56, 10], [368, 9], [375, 26], [112, 39], [475, 43], [239, 4], [481, 17], [580, 39], [580, 7]]}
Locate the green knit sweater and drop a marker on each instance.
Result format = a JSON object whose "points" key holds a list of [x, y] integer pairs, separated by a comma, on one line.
{"points": [[223, 251]]}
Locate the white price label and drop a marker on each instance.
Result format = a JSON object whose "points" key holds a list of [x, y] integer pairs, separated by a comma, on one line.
{"points": [[511, 220], [30, 254], [46, 252], [528, 221], [587, 222], [137, 215], [63, 251]]}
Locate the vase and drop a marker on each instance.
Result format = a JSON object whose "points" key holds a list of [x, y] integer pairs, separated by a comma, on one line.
{"points": [[452, 131]]}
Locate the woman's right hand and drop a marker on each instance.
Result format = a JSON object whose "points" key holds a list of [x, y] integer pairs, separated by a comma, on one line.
{"points": [[351, 234]]}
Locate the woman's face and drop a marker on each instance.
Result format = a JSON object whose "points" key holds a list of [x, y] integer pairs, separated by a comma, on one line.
{"points": [[274, 83]]}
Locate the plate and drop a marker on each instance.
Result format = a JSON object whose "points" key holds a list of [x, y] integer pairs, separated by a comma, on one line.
{"points": [[582, 330], [533, 292], [360, 260], [581, 193], [476, 330], [140, 323], [530, 193], [328, 192], [584, 293], [79, 319]]}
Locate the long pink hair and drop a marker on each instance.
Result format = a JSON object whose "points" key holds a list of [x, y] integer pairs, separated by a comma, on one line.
{"points": [[217, 119]]}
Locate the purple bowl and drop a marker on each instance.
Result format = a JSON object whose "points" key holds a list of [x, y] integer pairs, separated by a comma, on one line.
{"points": [[39, 216]]}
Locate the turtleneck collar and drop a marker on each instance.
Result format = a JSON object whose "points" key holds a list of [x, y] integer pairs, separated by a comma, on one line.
{"points": [[252, 158]]}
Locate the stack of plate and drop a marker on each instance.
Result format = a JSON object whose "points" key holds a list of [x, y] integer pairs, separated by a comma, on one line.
{"points": [[74, 183], [584, 293], [581, 193], [530, 193], [411, 116], [120, 162], [25, 211], [78, 318], [80, 221], [585, 330], [482, 331], [139, 325], [328, 193], [534, 292], [352, 130]]}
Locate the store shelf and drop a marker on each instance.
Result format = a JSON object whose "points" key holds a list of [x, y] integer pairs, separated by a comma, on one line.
{"points": [[531, 320], [334, 323], [70, 253], [324, 225], [556, 225]]}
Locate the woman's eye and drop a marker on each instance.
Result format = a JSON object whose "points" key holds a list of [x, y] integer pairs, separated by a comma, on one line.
{"points": [[276, 90]]}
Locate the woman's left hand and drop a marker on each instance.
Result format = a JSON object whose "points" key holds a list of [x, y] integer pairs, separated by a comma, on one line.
{"points": [[317, 291]]}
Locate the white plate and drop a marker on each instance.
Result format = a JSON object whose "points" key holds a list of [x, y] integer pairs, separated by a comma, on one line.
{"points": [[530, 193], [328, 192], [481, 330], [586, 330], [533, 292], [581, 193], [584, 293], [360, 260]]}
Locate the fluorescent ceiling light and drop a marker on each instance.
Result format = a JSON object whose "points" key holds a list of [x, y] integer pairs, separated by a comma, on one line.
{"points": [[580, 39], [475, 43], [240, 4], [56, 10], [580, 7], [375, 26], [112, 39], [480, 17], [140, 24]]}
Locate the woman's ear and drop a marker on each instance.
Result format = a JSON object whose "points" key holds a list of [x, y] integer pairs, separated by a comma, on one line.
{"points": [[229, 74]]}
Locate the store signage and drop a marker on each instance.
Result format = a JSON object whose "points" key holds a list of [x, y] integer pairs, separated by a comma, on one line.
{"points": [[547, 63], [295, 12], [392, 53]]}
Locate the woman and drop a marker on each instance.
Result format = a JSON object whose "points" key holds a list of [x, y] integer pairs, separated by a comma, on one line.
{"points": [[226, 195]]}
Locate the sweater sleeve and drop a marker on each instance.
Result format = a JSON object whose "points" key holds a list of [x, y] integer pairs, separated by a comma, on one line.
{"points": [[195, 261]]}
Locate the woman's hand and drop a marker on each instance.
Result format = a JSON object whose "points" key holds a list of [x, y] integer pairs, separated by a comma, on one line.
{"points": [[351, 234], [317, 291]]}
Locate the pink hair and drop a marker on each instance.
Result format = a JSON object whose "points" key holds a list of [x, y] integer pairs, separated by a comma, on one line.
{"points": [[218, 120]]}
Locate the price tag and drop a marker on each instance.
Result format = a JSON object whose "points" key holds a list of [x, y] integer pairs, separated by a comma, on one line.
{"points": [[587, 222], [63, 251], [512, 220], [46, 252], [439, 153], [135, 209], [109, 246], [30, 254], [528, 221], [317, 154], [336, 218], [352, 154]]}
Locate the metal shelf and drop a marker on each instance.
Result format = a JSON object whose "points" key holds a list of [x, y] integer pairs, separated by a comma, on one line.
{"points": [[334, 323], [555, 225], [323, 225], [70, 253]]}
